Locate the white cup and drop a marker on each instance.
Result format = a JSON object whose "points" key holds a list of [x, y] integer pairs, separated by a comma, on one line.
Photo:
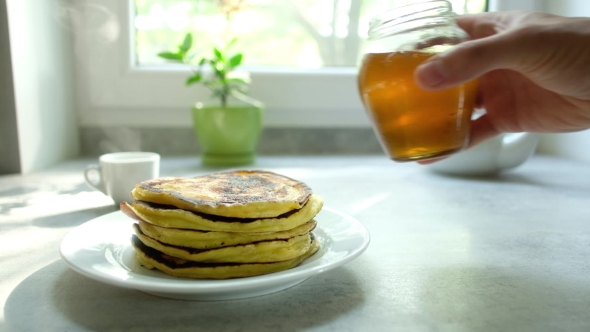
{"points": [[119, 172]]}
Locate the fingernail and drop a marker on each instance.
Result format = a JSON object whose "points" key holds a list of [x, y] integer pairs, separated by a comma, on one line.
{"points": [[431, 73]]}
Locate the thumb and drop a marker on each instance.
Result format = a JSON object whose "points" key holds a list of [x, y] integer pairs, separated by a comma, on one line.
{"points": [[470, 60]]}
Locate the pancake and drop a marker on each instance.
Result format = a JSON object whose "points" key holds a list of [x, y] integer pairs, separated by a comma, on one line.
{"points": [[172, 217], [210, 240], [258, 252], [154, 259], [240, 194]]}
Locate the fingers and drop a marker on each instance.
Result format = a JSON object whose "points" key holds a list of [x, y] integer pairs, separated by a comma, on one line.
{"points": [[463, 63], [430, 161], [482, 25], [490, 23], [520, 49]]}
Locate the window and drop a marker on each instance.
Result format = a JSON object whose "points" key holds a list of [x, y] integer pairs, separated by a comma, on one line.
{"points": [[302, 34], [297, 66]]}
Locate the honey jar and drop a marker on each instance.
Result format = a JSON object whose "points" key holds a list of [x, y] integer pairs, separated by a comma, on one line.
{"points": [[411, 123]]}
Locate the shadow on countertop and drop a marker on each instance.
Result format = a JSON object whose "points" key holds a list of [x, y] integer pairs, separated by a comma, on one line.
{"points": [[60, 299], [74, 218]]}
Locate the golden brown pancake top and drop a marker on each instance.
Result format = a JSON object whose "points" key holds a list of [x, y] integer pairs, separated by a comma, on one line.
{"points": [[244, 194]]}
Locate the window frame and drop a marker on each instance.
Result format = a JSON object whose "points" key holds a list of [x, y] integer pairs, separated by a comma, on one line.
{"points": [[112, 91]]}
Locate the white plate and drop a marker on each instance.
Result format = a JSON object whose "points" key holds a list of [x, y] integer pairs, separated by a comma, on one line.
{"points": [[101, 249]]}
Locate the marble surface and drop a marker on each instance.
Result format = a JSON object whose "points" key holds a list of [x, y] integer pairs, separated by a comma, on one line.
{"points": [[505, 253]]}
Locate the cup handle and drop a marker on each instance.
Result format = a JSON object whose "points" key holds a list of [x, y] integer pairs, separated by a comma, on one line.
{"points": [[98, 186]]}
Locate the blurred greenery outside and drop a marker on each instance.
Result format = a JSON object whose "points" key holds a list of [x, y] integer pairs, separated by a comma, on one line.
{"points": [[271, 33]]}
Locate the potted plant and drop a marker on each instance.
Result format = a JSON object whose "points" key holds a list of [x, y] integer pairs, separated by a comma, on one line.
{"points": [[227, 129]]}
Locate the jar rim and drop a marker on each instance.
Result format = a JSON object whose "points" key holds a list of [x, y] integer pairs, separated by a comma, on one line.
{"points": [[410, 17]]}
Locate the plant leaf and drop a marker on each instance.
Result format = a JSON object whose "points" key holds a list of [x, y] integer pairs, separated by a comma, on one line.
{"points": [[242, 89], [239, 80], [235, 60], [218, 53], [190, 58], [231, 42], [194, 79], [219, 68], [170, 56], [187, 43]]}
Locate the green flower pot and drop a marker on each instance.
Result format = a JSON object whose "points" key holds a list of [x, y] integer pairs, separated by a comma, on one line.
{"points": [[228, 136]]}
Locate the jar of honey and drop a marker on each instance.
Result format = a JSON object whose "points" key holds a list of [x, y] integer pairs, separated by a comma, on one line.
{"points": [[411, 123]]}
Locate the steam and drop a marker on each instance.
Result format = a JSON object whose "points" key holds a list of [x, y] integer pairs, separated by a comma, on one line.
{"points": [[120, 139], [89, 20], [95, 32]]}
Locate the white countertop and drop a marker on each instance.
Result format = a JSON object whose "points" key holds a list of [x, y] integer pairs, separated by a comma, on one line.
{"points": [[509, 253]]}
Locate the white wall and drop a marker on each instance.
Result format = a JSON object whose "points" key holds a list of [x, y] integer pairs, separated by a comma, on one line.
{"points": [[42, 69], [568, 7], [571, 145], [503, 5]]}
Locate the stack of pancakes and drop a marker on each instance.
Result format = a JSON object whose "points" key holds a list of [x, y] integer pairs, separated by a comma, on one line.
{"points": [[223, 225]]}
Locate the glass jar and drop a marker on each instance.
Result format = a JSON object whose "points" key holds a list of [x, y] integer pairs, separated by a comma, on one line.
{"points": [[411, 123]]}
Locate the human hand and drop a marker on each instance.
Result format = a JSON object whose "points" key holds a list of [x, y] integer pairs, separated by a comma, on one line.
{"points": [[534, 71]]}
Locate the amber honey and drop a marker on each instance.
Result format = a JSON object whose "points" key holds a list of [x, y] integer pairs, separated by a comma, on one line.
{"points": [[411, 123]]}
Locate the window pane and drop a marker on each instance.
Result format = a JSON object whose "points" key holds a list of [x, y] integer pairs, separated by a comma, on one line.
{"points": [[286, 33]]}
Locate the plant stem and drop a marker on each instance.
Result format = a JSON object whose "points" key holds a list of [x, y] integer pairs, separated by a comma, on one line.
{"points": [[224, 100]]}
